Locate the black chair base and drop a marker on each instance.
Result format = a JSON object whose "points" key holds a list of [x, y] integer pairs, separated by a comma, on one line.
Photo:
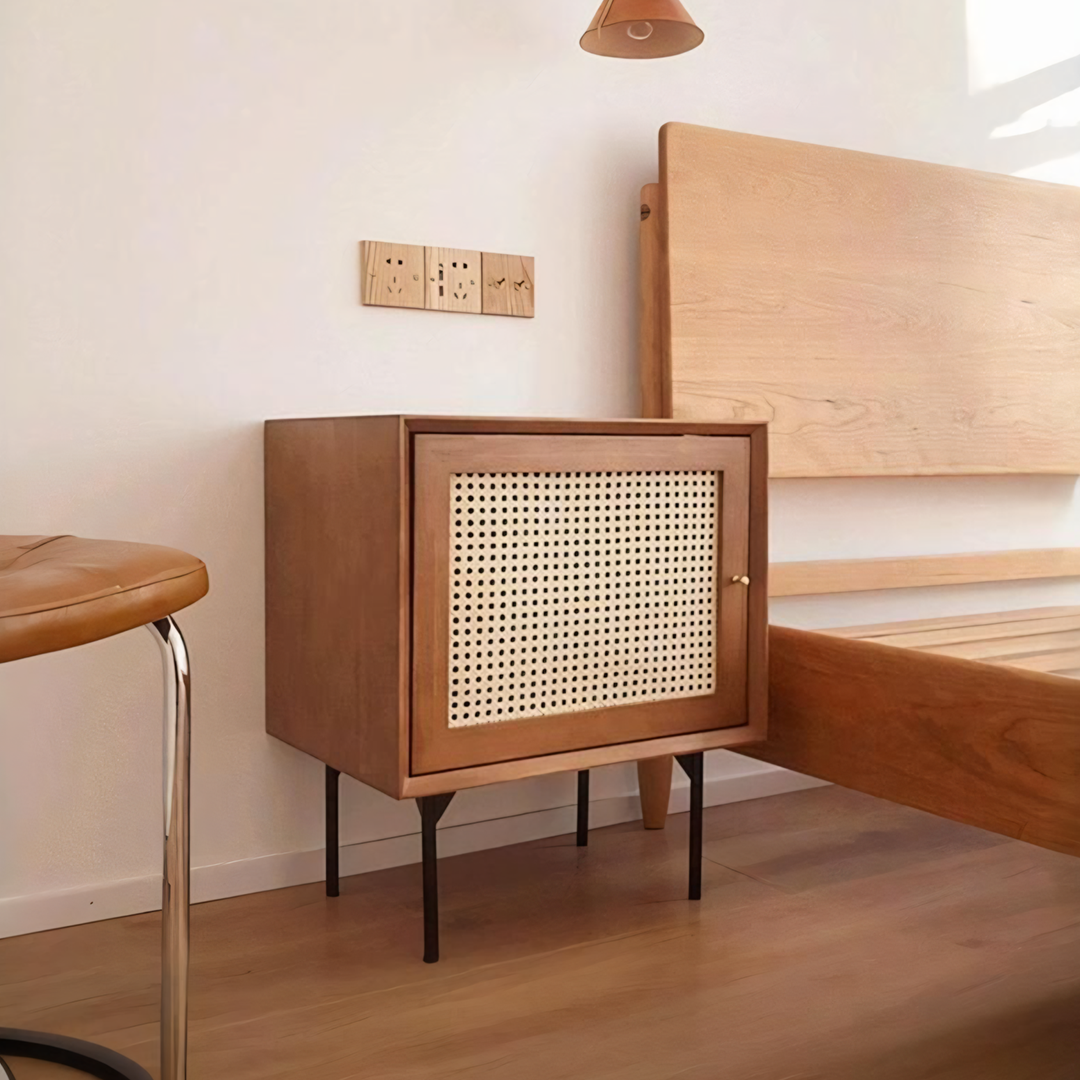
{"points": [[87, 1057]]}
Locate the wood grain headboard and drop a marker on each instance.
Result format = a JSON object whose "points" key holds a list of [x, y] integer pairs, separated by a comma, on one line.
{"points": [[887, 317]]}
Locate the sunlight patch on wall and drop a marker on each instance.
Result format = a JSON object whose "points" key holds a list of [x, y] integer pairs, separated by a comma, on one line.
{"points": [[1065, 170], [1063, 111], [1008, 39], [1024, 76]]}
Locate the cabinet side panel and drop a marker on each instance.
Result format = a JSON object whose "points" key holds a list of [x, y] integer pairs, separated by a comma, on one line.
{"points": [[335, 577]]}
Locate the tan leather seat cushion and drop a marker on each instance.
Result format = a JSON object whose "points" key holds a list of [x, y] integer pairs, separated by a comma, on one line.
{"points": [[60, 591]]}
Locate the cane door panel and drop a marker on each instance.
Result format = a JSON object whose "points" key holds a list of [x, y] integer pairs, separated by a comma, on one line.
{"points": [[575, 591]]}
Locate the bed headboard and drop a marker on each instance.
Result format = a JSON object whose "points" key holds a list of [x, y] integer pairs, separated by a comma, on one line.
{"points": [[886, 317]]}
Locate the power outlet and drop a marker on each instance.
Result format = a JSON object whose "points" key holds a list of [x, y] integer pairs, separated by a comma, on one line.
{"points": [[509, 285], [454, 280], [393, 274], [447, 279]]}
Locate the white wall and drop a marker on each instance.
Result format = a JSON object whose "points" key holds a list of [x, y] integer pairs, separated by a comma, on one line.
{"points": [[182, 189]]}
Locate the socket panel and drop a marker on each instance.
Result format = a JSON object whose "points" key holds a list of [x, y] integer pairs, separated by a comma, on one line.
{"points": [[509, 285], [447, 279], [453, 280], [393, 274]]}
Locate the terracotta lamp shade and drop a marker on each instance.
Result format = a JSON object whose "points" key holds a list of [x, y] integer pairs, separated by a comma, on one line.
{"points": [[641, 30]]}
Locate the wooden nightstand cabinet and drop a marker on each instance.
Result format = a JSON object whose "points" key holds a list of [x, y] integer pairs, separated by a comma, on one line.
{"points": [[457, 602]]}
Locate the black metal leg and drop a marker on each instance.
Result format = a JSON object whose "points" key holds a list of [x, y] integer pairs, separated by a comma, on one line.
{"points": [[5, 1072], [583, 808], [431, 807], [333, 880], [694, 767]]}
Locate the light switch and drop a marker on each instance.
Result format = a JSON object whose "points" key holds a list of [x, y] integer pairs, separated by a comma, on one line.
{"points": [[453, 280], [509, 285], [393, 274]]}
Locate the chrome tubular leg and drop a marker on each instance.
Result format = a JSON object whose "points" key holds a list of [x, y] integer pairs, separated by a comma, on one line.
{"points": [[99, 1061], [175, 893]]}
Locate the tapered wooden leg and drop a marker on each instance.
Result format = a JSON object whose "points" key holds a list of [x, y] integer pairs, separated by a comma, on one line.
{"points": [[654, 784]]}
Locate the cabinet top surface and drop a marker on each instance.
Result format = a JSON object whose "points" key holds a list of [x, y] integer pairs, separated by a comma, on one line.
{"points": [[535, 425]]}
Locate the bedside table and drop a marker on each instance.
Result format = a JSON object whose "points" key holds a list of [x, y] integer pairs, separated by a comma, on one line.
{"points": [[453, 602]]}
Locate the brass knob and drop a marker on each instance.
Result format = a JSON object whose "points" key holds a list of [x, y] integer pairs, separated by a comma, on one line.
{"points": [[740, 579]]}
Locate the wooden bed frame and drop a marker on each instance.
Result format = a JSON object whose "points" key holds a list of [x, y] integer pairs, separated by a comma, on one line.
{"points": [[887, 318], [974, 718]]}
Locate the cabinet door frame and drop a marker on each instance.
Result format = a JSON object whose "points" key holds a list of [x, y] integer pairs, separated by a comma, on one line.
{"points": [[437, 747]]}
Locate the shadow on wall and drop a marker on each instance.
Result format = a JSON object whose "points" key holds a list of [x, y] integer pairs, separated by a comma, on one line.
{"points": [[1006, 104]]}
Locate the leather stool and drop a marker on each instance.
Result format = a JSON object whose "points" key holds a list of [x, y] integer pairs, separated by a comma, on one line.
{"points": [[57, 592]]}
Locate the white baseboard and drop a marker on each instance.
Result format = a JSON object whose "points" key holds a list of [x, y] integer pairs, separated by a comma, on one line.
{"points": [[110, 900]]}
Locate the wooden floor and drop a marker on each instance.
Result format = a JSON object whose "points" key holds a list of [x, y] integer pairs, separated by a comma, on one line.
{"points": [[839, 937]]}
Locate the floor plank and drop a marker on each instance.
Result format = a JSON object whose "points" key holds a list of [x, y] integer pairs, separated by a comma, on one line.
{"points": [[839, 937]]}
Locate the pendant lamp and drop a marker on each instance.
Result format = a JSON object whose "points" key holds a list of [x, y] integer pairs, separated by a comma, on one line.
{"points": [[641, 30]]}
